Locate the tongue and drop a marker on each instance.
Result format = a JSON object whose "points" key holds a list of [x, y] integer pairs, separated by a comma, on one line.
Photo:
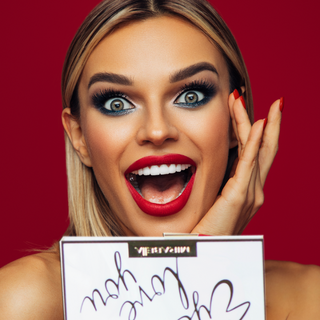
{"points": [[162, 189]]}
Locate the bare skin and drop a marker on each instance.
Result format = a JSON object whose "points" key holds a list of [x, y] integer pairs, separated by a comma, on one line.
{"points": [[157, 122], [30, 288]]}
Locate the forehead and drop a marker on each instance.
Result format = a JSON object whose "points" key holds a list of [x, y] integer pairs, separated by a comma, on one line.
{"points": [[159, 46]]}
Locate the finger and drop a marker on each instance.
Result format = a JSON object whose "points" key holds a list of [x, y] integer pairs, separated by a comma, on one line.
{"points": [[226, 217], [253, 184], [270, 139], [255, 195], [232, 98], [247, 179], [248, 159], [242, 123], [223, 217]]}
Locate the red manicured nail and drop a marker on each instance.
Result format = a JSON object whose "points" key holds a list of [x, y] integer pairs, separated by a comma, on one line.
{"points": [[236, 94], [281, 105], [243, 102], [203, 235], [265, 122]]}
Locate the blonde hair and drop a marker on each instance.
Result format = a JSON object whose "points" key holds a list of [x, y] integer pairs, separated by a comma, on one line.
{"points": [[89, 211]]}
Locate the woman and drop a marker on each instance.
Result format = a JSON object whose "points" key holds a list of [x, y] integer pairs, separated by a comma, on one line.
{"points": [[148, 84]]}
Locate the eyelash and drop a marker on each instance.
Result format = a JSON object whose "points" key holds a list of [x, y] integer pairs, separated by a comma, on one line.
{"points": [[207, 89], [100, 99]]}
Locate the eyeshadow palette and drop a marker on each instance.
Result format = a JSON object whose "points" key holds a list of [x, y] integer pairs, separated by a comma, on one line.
{"points": [[174, 277]]}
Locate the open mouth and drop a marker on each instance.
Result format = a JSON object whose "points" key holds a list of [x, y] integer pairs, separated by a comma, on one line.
{"points": [[161, 185]]}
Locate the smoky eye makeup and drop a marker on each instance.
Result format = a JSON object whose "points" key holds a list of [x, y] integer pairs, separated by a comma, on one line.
{"points": [[191, 95], [195, 94], [111, 102]]}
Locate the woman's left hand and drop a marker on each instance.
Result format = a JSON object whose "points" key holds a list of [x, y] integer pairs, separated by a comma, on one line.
{"points": [[243, 194]]}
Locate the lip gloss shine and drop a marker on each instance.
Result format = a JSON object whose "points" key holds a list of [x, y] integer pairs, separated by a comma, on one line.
{"points": [[156, 209]]}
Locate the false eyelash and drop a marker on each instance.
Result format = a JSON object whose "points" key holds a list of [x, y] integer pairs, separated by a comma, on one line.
{"points": [[198, 84], [99, 99], [207, 88]]}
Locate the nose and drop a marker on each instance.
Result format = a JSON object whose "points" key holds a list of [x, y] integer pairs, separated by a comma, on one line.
{"points": [[157, 128]]}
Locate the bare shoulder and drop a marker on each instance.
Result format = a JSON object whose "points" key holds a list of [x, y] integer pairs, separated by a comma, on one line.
{"points": [[30, 288], [293, 291]]}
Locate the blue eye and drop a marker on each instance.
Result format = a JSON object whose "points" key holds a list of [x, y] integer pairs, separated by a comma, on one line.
{"points": [[195, 94], [112, 103]]}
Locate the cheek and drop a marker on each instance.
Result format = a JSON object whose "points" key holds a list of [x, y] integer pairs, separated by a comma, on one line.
{"points": [[209, 131], [214, 133], [106, 139], [215, 152]]}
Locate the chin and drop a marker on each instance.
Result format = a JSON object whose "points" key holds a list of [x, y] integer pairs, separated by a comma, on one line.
{"points": [[143, 225]]}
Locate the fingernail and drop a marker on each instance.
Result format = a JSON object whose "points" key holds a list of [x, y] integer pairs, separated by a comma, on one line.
{"points": [[281, 105], [265, 122], [236, 94], [203, 235], [242, 101]]}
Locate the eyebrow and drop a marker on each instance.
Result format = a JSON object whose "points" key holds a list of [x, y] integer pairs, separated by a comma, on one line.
{"points": [[192, 70], [177, 76], [110, 77]]}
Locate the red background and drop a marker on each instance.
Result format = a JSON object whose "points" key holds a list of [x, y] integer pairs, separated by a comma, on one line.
{"points": [[280, 44]]}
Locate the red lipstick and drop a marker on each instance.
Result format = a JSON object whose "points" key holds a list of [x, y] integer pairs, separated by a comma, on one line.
{"points": [[156, 209]]}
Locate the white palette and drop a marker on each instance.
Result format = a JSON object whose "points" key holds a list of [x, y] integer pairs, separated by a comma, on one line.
{"points": [[218, 278]]}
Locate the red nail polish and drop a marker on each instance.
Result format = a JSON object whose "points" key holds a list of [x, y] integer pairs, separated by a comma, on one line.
{"points": [[281, 105], [236, 94], [265, 122], [243, 102], [203, 235]]}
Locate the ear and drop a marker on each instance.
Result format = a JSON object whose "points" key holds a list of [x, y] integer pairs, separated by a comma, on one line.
{"points": [[243, 89], [74, 132]]}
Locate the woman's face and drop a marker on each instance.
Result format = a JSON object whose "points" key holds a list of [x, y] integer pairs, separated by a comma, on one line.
{"points": [[154, 94]]}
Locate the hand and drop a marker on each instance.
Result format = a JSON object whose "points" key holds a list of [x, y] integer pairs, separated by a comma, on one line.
{"points": [[243, 195]]}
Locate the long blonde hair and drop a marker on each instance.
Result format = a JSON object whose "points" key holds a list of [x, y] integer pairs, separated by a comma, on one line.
{"points": [[89, 211]]}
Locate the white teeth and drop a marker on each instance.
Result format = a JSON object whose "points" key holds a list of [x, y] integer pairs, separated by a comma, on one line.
{"points": [[162, 169], [172, 168], [154, 170], [146, 171]]}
